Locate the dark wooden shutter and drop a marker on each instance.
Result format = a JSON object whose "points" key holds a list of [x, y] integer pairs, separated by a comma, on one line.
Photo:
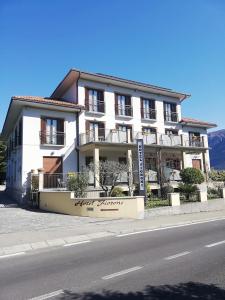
{"points": [[86, 98], [60, 132], [173, 108], [101, 130], [116, 104], [142, 108], [43, 130], [87, 126], [131, 133], [152, 104], [101, 104], [128, 106]]}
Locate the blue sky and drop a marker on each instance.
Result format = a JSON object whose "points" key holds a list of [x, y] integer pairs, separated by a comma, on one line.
{"points": [[177, 44]]}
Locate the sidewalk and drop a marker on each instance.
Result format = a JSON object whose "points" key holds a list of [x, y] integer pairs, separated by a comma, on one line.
{"points": [[50, 230]]}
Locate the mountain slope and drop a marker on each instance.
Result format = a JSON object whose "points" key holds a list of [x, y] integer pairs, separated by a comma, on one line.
{"points": [[217, 152]]}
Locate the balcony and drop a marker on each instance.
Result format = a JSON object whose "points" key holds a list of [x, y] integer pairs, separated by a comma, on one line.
{"points": [[124, 111], [128, 137], [95, 107], [52, 139], [148, 114], [170, 116]]}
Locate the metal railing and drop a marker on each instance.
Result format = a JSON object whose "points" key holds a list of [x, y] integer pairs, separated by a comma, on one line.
{"points": [[118, 136], [124, 110], [170, 116], [149, 114], [56, 138], [95, 106]]}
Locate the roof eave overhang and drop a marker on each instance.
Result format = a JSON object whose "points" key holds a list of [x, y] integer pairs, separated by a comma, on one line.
{"points": [[74, 74], [16, 107], [206, 126]]}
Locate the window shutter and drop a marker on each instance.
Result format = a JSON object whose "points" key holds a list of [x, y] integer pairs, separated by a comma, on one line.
{"points": [[86, 98], [173, 108], [60, 131], [142, 108], [43, 130], [87, 125], [152, 104], [116, 104], [128, 106], [101, 104], [101, 129]]}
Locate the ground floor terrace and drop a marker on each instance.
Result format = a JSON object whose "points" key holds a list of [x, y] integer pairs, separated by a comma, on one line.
{"points": [[162, 164]]}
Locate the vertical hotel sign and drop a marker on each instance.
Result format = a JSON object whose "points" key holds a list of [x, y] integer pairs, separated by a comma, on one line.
{"points": [[141, 166]]}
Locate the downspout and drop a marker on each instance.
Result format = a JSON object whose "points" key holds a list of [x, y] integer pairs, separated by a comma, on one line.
{"points": [[77, 129]]}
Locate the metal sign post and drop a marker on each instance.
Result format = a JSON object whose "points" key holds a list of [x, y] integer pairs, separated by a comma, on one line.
{"points": [[141, 167]]}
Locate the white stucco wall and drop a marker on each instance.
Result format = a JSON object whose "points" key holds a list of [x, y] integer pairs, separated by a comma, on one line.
{"points": [[33, 151]]}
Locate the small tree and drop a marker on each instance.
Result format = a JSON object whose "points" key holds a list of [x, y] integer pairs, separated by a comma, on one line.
{"points": [[192, 176], [78, 184], [108, 173]]}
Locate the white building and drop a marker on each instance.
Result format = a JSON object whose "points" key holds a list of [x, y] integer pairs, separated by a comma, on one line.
{"points": [[90, 117]]}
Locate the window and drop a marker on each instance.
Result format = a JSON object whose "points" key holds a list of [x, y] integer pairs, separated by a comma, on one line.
{"points": [[171, 132], [195, 139], [148, 109], [173, 164], [123, 105], [95, 131], [52, 131], [148, 130], [170, 112], [94, 100], [123, 131], [150, 163]]}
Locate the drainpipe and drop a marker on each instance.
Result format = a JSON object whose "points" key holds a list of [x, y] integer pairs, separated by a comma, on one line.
{"points": [[77, 130]]}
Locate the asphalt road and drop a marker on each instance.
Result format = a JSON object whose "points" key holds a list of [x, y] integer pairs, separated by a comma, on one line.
{"points": [[179, 263]]}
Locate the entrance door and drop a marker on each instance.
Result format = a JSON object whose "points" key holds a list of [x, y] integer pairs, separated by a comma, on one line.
{"points": [[52, 171], [196, 163]]}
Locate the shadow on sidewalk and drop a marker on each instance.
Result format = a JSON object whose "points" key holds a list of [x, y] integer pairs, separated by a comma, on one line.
{"points": [[182, 291], [6, 200]]}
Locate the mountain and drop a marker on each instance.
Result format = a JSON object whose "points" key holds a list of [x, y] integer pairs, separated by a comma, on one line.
{"points": [[217, 152]]}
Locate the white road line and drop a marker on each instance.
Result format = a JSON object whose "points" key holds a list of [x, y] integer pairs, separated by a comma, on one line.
{"points": [[215, 244], [168, 227], [177, 255], [47, 296], [123, 272], [77, 243], [11, 255]]}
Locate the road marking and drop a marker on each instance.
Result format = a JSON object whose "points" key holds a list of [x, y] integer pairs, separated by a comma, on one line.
{"points": [[169, 227], [215, 244], [177, 255], [123, 272], [47, 296], [77, 243], [11, 255]]}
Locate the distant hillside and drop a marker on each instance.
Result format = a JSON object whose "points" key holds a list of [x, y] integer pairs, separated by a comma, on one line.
{"points": [[217, 153]]}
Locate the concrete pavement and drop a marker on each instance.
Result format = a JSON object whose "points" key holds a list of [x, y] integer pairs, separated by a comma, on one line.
{"points": [[176, 263]]}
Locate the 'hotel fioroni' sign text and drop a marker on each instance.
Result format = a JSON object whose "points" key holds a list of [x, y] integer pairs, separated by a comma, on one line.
{"points": [[141, 167]]}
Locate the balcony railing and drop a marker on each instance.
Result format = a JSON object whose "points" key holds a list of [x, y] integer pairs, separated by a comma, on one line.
{"points": [[95, 106], [170, 116], [127, 137], [124, 110], [56, 138], [148, 114]]}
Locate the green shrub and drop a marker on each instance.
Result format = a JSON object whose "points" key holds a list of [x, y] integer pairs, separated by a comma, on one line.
{"points": [[166, 189], [78, 184], [192, 176], [213, 193], [117, 192], [186, 188], [215, 175], [148, 189]]}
